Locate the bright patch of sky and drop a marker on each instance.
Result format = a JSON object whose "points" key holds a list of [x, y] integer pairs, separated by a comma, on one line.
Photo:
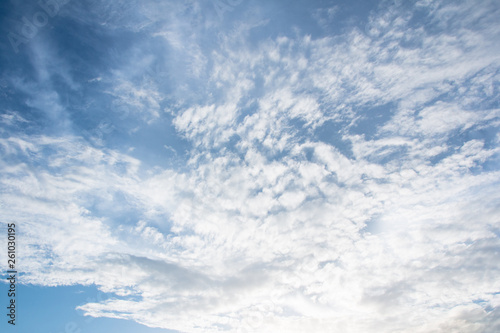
{"points": [[267, 166]]}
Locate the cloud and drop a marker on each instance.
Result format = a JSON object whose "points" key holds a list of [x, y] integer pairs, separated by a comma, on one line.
{"points": [[390, 223]]}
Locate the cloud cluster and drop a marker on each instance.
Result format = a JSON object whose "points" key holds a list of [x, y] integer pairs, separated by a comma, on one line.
{"points": [[344, 183]]}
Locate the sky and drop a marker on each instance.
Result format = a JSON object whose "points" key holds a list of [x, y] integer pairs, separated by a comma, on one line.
{"points": [[251, 166]]}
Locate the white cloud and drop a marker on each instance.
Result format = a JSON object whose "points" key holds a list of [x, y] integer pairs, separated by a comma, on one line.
{"points": [[284, 232]]}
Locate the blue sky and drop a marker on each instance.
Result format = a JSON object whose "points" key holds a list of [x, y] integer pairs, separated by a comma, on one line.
{"points": [[241, 166]]}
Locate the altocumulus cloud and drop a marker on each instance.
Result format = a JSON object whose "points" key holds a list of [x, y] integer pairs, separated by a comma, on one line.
{"points": [[324, 175]]}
